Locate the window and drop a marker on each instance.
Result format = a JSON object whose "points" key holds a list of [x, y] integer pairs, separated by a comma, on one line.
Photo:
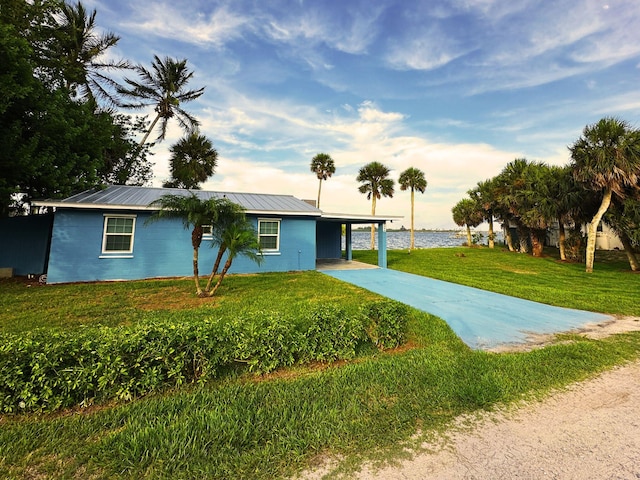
{"points": [[118, 234], [269, 234], [207, 231]]}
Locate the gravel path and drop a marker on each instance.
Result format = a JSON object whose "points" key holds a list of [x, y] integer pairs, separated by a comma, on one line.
{"points": [[591, 430]]}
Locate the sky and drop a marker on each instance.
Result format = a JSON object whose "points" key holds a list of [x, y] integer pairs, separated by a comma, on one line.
{"points": [[456, 88]]}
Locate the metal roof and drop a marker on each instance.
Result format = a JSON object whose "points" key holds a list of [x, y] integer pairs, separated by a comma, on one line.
{"points": [[123, 197]]}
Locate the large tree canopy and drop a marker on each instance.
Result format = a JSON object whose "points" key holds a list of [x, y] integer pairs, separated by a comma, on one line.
{"points": [[53, 142]]}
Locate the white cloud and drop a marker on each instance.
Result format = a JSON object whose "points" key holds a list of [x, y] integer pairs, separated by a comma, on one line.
{"points": [[167, 20]]}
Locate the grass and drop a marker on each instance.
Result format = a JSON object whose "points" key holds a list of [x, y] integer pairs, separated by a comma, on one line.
{"points": [[25, 306], [611, 288], [270, 427]]}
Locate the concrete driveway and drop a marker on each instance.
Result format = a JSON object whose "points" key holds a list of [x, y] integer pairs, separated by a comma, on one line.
{"points": [[482, 319]]}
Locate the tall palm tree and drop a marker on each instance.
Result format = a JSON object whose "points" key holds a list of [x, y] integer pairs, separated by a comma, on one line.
{"points": [[413, 179], [605, 159], [193, 160], [165, 88], [241, 239], [376, 184], [467, 213], [80, 51], [323, 166], [194, 213]]}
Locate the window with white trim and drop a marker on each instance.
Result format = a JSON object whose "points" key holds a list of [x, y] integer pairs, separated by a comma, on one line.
{"points": [[118, 234], [207, 231], [269, 235]]}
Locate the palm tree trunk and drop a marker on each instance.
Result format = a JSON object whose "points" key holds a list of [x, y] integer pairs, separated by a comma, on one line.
{"points": [[196, 240], [468, 235], [523, 234], [508, 238], [373, 225], [146, 135], [319, 190], [216, 265], [537, 242], [224, 271], [196, 277], [592, 230], [492, 243], [562, 237], [412, 243], [628, 248]]}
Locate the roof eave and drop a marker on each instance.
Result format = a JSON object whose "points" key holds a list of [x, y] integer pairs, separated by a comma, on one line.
{"points": [[102, 206]]}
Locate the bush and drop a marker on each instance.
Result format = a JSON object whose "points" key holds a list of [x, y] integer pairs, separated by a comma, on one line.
{"points": [[48, 369], [387, 323], [332, 334]]}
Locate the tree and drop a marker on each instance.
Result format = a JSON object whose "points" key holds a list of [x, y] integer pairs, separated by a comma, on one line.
{"points": [[165, 88], [623, 216], [413, 179], [229, 213], [240, 239], [79, 52], [193, 160], [52, 145], [467, 212], [194, 213], [376, 184], [485, 196], [323, 166], [125, 162], [606, 160]]}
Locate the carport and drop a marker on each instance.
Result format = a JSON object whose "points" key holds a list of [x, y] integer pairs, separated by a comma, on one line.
{"points": [[329, 235]]}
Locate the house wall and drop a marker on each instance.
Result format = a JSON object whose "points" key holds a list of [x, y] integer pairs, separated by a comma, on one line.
{"points": [[328, 239], [24, 243], [160, 249]]}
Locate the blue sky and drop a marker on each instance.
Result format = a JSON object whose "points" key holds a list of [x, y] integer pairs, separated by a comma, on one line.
{"points": [[457, 88]]}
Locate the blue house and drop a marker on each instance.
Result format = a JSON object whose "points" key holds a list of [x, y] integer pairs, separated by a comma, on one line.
{"points": [[102, 234]]}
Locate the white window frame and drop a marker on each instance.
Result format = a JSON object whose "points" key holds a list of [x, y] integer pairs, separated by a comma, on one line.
{"points": [[115, 253], [277, 235], [207, 232]]}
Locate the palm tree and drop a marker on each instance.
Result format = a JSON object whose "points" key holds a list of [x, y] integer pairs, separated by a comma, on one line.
{"points": [[485, 195], [412, 178], [605, 159], [164, 87], [240, 239], [229, 213], [467, 213], [623, 217], [78, 47], [376, 184], [193, 160], [323, 166], [194, 213]]}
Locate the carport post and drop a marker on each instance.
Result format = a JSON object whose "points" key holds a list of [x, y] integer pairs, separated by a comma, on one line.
{"points": [[382, 244], [348, 244]]}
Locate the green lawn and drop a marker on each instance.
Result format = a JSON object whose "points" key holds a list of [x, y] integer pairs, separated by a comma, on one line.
{"points": [[270, 427], [611, 288]]}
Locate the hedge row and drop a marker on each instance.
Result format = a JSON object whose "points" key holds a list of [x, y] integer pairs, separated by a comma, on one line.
{"points": [[47, 369]]}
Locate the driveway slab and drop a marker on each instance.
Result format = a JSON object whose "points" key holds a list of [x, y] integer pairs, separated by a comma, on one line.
{"points": [[483, 320]]}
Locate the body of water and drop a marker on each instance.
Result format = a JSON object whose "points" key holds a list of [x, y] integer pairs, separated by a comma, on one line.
{"points": [[400, 240]]}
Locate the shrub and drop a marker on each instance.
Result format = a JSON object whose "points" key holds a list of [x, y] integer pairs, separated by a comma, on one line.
{"points": [[331, 333], [49, 369], [387, 323]]}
